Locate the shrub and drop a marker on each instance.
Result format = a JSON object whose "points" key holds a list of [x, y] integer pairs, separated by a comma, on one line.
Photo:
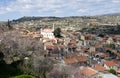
{"points": [[113, 71], [24, 76]]}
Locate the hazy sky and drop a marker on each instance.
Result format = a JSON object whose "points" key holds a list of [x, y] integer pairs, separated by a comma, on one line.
{"points": [[12, 9]]}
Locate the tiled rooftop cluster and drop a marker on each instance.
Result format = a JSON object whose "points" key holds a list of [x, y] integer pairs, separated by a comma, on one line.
{"points": [[94, 55]]}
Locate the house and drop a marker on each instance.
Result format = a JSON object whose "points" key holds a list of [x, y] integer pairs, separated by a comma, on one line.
{"points": [[110, 65], [110, 41], [103, 55], [70, 55], [70, 61], [81, 58], [37, 36], [48, 33], [82, 37], [89, 72], [118, 55], [118, 73], [92, 49], [99, 67], [46, 44]]}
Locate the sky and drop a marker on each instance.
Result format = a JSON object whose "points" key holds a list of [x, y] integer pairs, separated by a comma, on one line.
{"points": [[14, 9]]}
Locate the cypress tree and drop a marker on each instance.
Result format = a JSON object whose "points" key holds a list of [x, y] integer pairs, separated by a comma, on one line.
{"points": [[9, 26]]}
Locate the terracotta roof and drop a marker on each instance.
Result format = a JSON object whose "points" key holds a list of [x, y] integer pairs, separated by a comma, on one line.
{"points": [[118, 71], [116, 61], [47, 30], [118, 54], [36, 35], [81, 58], [87, 71], [114, 38], [54, 43], [73, 41], [104, 55], [87, 35], [110, 63], [49, 47], [70, 60], [70, 55], [99, 67], [72, 46]]}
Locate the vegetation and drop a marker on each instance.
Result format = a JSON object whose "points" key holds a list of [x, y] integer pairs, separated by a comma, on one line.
{"points": [[78, 22], [9, 25], [23, 57], [113, 71], [57, 32], [101, 35], [14, 50], [24, 76], [7, 71]]}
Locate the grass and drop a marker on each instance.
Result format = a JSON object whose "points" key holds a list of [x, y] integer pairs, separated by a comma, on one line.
{"points": [[23, 76]]}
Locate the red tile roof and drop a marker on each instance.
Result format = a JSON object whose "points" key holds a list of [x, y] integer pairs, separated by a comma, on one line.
{"points": [[104, 55], [73, 41], [70, 61], [110, 63], [87, 71], [118, 54], [118, 71], [81, 58], [99, 67], [49, 47], [70, 55]]}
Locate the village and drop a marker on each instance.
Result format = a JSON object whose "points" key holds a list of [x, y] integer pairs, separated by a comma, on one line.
{"points": [[97, 56]]}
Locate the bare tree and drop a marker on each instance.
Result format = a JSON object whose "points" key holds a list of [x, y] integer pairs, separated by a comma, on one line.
{"points": [[14, 45], [62, 71]]}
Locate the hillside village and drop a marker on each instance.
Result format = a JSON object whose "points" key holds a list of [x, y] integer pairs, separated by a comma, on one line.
{"points": [[94, 55]]}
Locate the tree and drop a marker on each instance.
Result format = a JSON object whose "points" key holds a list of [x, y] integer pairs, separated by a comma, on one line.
{"points": [[62, 71], [25, 53], [9, 26], [15, 47], [57, 32], [113, 71], [101, 35], [41, 65]]}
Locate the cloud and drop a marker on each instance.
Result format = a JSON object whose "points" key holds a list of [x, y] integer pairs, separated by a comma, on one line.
{"points": [[61, 6], [30, 5], [83, 10], [115, 1]]}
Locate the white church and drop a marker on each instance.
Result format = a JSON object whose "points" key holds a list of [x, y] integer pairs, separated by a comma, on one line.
{"points": [[48, 33]]}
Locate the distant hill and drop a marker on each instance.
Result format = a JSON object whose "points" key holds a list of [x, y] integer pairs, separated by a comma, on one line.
{"points": [[77, 22], [111, 14], [26, 18]]}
